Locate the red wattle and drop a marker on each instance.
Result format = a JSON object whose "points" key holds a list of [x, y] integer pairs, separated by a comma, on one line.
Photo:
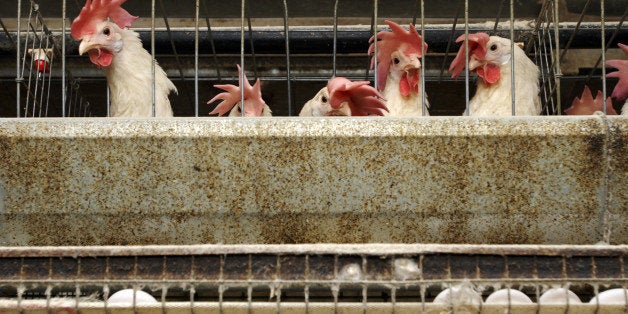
{"points": [[489, 73], [100, 57], [409, 84]]}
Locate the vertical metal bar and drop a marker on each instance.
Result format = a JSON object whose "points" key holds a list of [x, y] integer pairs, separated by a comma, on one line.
{"points": [[573, 34], [368, 64], [192, 293], [422, 285], [211, 42], [278, 288], [603, 38], [466, 56], [39, 75], [335, 293], [30, 68], [249, 287], [335, 37], [152, 52], [557, 71], [248, 21], [288, 76], [499, 14], [364, 285], [539, 53], [196, 39], [512, 56], [174, 51], [414, 10], [423, 96], [52, 58], [221, 278], [77, 294], [306, 289], [63, 83], [241, 75], [17, 58], [77, 98], [108, 102], [375, 4], [449, 42]]}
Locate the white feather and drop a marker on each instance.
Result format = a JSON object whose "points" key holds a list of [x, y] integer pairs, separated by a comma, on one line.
{"points": [[496, 99], [131, 83], [399, 105]]}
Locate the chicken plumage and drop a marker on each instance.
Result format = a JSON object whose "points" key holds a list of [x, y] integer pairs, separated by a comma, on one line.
{"points": [[341, 97], [102, 28], [490, 57], [399, 69]]}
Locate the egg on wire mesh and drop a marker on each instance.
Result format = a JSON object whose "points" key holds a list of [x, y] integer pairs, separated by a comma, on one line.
{"points": [[125, 297], [559, 296], [461, 296], [502, 297], [611, 296]]}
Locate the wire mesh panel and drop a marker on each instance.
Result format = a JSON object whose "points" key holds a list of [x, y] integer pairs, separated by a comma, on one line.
{"points": [[294, 47], [315, 278]]}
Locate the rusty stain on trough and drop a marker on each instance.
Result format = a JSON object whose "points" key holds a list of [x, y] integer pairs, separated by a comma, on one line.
{"points": [[295, 180]]}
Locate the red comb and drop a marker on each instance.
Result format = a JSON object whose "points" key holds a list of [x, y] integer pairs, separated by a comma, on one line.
{"points": [[477, 47], [362, 98], [621, 89], [97, 11], [252, 94], [408, 40], [586, 105]]}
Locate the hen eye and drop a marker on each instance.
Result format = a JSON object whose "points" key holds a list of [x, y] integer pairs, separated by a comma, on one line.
{"points": [[396, 60], [493, 47], [106, 31], [324, 99]]}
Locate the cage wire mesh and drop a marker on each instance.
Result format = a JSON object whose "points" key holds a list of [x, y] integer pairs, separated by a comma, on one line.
{"points": [[316, 278], [294, 47]]}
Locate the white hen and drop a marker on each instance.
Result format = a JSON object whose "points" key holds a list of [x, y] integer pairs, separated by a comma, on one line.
{"points": [[490, 57], [399, 70], [127, 65]]}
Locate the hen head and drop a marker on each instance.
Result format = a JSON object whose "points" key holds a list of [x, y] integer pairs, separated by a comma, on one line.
{"points": [[398, 51], [587, 105], [98, 27], [621, 89], [486, 55], [361, 98], [253, 103]]}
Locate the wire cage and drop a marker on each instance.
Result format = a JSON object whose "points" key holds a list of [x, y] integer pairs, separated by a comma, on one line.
{"points": [[294, 47], [317, 278]]}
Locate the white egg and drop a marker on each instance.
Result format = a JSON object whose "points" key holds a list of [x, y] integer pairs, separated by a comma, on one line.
{"points": [[559, 296], [126, 297], [501, 297], [459, 295], [612, 296]]}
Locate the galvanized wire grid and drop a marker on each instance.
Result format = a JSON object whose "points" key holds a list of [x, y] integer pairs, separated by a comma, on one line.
{"points": [[369, 275], [324, 40]]}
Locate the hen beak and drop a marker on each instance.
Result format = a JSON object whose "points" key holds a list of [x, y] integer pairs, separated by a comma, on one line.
{"points": [[475, 63], [413, 63], [343, 111], [86, 45]]}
